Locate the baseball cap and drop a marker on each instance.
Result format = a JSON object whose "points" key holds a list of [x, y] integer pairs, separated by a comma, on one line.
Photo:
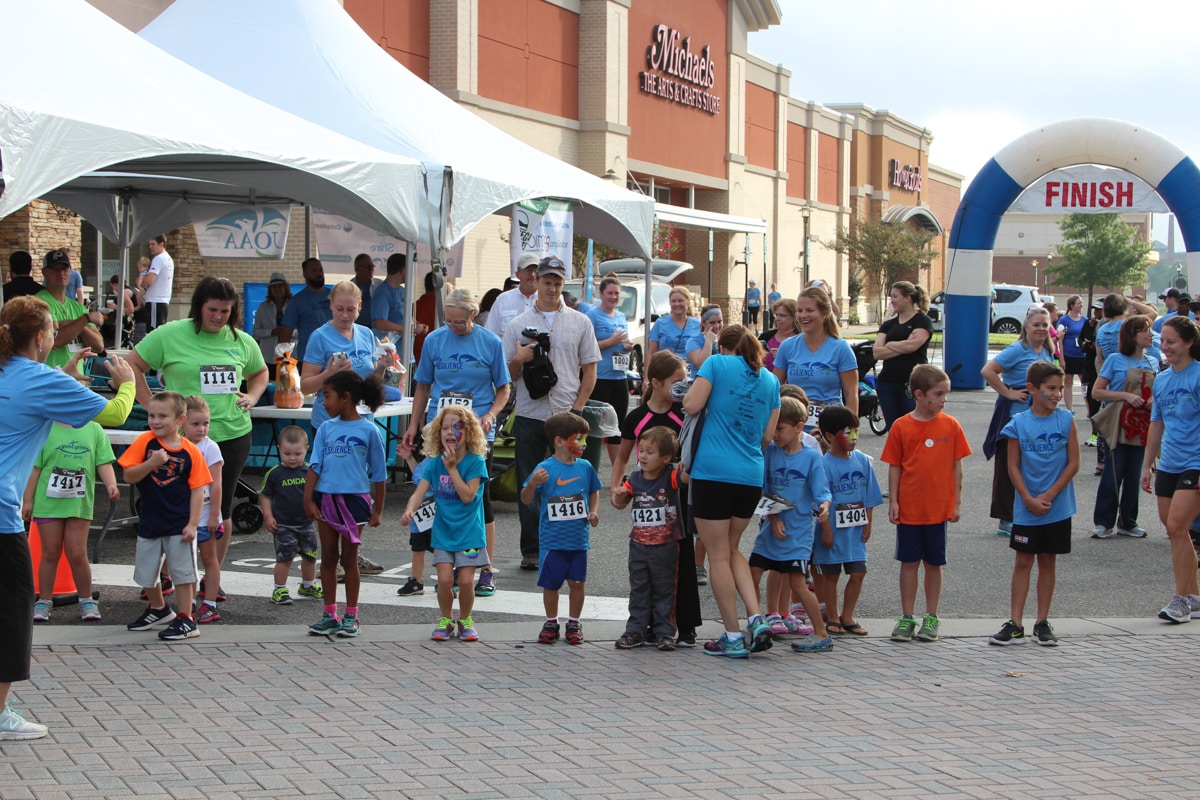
{"points": [[526, 260], [56, 257], [277, 277], [551, 266], [1172, 292]]}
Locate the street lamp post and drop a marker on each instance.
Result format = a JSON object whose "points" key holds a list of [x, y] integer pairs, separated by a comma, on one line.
{"points": [[805, 212], [1036, 285]]}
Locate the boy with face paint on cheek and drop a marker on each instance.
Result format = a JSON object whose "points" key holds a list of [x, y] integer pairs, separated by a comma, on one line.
{"points": [[566, 489], [855, 494]]}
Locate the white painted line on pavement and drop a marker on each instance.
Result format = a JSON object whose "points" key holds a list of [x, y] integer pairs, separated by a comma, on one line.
{"points": [[505, 601]]}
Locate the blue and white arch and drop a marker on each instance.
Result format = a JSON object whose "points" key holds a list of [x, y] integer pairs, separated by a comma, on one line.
{"points": [[1106, 142]]}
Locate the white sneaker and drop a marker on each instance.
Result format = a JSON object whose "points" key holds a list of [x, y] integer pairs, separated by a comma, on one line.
{"points": [[1101, 532], [1194, 604], [41, 610], [14, 727], [1133, 533], [89, 610], [1177, 611]]}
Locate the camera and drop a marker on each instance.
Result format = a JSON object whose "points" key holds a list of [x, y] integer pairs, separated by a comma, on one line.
{"points": [[542, 338]]}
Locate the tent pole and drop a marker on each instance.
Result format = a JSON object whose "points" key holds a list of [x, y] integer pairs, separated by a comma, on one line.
{"points": [[307, 231], [126, 216]]}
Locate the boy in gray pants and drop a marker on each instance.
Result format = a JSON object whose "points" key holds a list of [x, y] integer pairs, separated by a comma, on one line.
{"points": [[653, 491]]}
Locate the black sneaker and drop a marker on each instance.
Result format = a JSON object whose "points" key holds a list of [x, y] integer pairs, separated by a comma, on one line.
{"points": [[687, 637], [413, 586], [1010, 633], [666, 644], [181, 628], [628, 641], [1043, 634], [151, 617], [549, 634]]}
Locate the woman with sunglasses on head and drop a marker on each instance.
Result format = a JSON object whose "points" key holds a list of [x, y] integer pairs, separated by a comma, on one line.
{"points": [[704, 343], [463, 364], [674, 333]]}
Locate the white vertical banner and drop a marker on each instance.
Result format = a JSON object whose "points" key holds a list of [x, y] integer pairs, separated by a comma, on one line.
{"points": [[340, 239], [545, 227], [226, 230]]}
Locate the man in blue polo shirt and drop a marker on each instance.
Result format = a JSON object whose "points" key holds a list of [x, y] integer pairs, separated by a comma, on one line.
{"points": [[308, 309]]}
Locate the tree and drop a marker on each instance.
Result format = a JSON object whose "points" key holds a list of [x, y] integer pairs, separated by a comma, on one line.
{"points": [[882, 253], [1099, 250]]}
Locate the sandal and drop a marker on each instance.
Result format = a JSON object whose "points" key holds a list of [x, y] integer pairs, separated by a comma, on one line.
{"points": [[834, 628], [854, 628]]}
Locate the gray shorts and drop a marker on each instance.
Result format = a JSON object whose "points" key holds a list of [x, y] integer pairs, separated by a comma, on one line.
{"points": [[461, 558], [148, 558], [296, 540]]}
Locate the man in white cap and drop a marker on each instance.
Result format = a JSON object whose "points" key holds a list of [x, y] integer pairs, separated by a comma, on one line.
{"points": [[515, 301], [574, 354]]}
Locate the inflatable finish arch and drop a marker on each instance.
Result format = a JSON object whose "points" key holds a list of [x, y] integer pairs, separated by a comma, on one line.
{"points": [[1107, 142]]}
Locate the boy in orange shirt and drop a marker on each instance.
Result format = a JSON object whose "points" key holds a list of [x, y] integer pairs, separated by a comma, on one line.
{"points": [[925, 450]]}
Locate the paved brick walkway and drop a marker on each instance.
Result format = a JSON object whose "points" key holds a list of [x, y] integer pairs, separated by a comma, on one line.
{"points": [[1101, 716]]}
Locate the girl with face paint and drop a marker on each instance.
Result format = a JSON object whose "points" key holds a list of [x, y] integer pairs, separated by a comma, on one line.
{"points": [[457, 475]]}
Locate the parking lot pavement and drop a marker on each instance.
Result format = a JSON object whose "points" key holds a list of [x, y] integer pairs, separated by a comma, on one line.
{"points": [[392, 714]]}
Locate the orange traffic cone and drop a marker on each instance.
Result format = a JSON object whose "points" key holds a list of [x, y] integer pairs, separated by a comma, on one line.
{"points": [[65, 591]]}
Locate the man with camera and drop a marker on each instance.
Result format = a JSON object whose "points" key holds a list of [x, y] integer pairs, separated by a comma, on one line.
{"points": [[561, 379]]}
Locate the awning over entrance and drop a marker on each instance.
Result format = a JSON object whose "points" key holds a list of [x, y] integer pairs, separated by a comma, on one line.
{"points": [[699, 220], [920, 214]]}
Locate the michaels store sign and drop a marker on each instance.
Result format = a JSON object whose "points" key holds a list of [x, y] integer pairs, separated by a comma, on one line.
{"points": [[677, 74]]}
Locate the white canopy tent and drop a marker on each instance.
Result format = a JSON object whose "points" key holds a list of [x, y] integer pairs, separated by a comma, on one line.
{"points": [[310, 58], [82, 95]]}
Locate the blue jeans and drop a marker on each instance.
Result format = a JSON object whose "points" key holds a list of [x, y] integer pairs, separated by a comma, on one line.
{"points": [[532, 446], [1119, 487], [894, 401]]}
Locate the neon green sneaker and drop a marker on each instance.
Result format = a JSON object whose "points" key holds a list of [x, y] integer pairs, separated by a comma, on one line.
{"points": [[314, 592], [906, 627], [280, 597]]}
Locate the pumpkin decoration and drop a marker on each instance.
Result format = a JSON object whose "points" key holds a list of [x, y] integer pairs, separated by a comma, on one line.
{"points": [[287, 379]]}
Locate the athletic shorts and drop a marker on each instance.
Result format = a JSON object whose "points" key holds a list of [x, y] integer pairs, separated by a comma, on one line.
{"points": [[421, 541], [1167, 483], [849, 567], [921, 543], [1053, 538], [360, 509], [771, 565], [475, 559], [203, 534], [296, 540], [16, 607], [1074, 366], [720, 500], [559, 566], [148, 558]]}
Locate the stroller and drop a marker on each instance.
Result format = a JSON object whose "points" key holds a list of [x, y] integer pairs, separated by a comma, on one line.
{"points": [[868, 400]]}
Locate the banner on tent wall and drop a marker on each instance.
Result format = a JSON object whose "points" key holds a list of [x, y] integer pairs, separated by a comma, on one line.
{"points": [[545, 227], [340, 239], [1089, 189], [224, 230]]}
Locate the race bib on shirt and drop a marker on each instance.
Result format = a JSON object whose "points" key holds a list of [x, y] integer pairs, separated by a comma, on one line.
{"points": [[422, 518], [650, 517], [66, 484], [771, 504], [850, 515], [814, 414], [218, 379], [620, 361], [566, 507], [449, 399]]}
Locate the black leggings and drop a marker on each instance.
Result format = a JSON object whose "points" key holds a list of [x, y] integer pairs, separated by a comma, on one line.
{"points": [[234, 453]]}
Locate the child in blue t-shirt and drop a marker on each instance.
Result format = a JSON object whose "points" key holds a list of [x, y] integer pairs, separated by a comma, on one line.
{"points": [[567, 491], [1043, 457], [795, 493], [855, 493], [419, 527], [345, 490], [456, 473]]}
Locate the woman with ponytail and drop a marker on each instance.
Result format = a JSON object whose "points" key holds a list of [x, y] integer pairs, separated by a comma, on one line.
{"points": [[32, 398], [741, 400]]}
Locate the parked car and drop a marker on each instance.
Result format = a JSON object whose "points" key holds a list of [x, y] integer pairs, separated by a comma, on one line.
{"points": [[1009, 306], [631, 272]]}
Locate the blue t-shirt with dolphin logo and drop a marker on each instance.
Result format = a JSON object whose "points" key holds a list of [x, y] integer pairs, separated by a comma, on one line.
{"points": [[818, 373], [1177, 405], [1044, 442]]}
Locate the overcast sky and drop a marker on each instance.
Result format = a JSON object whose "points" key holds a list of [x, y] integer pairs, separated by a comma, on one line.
{"points": [[980, 74]]}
